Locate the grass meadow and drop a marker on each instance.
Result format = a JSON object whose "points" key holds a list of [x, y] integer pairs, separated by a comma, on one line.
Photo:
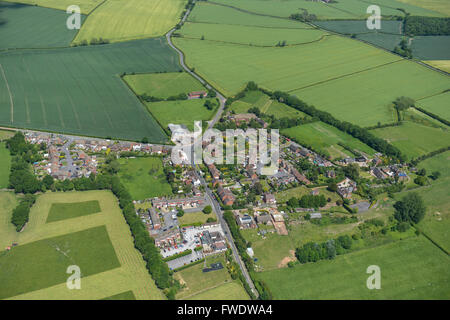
{"points": [[92, 98], [144, 177], [444, 65], [323, 137], [120, 20], [410, 269], [227, 291], [163, 85], [5, 165], [414, 139], [192, 218], [61, 211], [98, 281], [180, 112], [33, 27]]}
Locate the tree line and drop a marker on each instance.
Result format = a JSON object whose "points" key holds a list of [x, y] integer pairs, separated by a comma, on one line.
{"points": [[426, 26], [313, 251]]}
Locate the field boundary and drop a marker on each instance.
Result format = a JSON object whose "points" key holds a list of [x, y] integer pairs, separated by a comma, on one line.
{"points": [[10, 94]]}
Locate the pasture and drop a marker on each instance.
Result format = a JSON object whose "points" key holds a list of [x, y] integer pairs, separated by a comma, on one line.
{"points": [[61, 211], [92, 99], [362, 98], [181, 112], [118, 20], [5, 166], [33, 27], [414, 139], [410, 269], [163, 85], [438, 105], [144, 177], [323, 137], [102, 243], [250, 35], [86, 6], [286, 68]]}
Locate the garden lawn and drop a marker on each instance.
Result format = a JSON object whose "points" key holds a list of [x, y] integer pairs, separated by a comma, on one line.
{"points": [[144, 177], [414, 139], [5, 166], [120, 20], [194, 218], [410, 269], [163, 85], [61, 211], [323, 137]]}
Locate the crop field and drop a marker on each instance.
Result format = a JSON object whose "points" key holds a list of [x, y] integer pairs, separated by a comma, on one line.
{"points": [[86, 6], [92, 99], [61, 211], [127, 295], [119, 20], [6, 134], [372, 101], [163, 85], [410, 269], [438, 105], [431, 47], [359, 26], [287, 68], [100, 244], [250, 35], [205, 12], [383, 40], [440, 64], [5, 165], [227, 291], [414, 139], [144, 177], [349, 9], [321, 136], [181, 112], [434, 5], [33, 27]]}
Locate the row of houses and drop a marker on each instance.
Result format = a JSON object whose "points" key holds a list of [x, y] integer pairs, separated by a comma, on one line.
{"points": [[190, 202]]}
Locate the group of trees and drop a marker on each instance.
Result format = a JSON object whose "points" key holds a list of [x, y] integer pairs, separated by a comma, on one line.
{"points": [[411, 209], [403, 49], [313, 252], [426, 26], [308, 201], [21, 213], [303, 16]]}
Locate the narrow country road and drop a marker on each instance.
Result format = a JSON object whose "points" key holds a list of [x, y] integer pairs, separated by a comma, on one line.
{"points": [[209, 193]]}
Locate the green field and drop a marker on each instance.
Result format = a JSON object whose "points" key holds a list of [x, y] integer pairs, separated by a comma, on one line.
{"points": [[362, 98], [287, 68], [227, 291], [410, 269], [414, 139], [323, 137], [191, 218], [86, 6], [180, 112], [250, 35], [438, 105], [440, 64], [119, 20], [197, 282], [433, 5], [144, 178], [209, 13], [91, 250], [61, 211], [33, 27], [298, 192], [383, 40], [127, 295], [163, 85], [359, 26], [6, 134], [50, 258], [431, 47], [92, 99], [5, 165]]}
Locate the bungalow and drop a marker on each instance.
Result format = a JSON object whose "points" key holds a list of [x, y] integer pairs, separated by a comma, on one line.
{"points": [[245, 221], [270, 198]]}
